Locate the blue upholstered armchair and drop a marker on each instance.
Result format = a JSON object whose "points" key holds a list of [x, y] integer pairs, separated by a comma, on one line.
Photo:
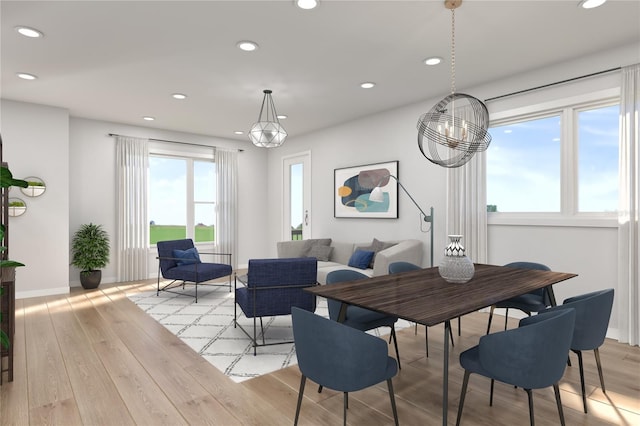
{"points": [[179, 261], [271, 288]]}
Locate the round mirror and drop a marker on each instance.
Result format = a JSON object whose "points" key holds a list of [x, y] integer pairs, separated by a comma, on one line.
{"points": [[36, 187], [17, 207]]}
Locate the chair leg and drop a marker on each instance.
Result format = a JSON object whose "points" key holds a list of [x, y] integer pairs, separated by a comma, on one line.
{"points": [[395, 343], [530, 395], [262, 331], [597, 354], [463, 392], [346, 403], [580, 365], [303, 380], [415, 332], [393, 401], [491, 393], [255, 342], [451, 335], [556, 390], [196, 291], [490, 318], [459, 327]]}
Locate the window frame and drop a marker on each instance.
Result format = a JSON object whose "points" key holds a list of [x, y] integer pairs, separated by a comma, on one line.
{"points": [[568, 108], [189, 153]]}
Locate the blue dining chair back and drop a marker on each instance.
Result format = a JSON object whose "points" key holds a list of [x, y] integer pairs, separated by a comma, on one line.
{"points": [[534, 301], [339, 357], [593, 311], [356, 317], [398, 267], [532, 356]]}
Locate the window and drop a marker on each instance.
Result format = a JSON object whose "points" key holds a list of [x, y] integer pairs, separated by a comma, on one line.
{"points": [[182, 196], [562, 162]]}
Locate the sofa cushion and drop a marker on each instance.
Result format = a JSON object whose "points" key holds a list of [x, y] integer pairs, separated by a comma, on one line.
{"points": [[186, 257], [320, 252], [361, 258], [376, 246]]}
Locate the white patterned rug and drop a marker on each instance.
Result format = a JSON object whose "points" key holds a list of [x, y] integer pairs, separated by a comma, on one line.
{"points": [[207, 327]]}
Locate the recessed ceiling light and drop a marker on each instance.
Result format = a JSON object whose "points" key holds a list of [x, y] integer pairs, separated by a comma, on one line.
{"points": [[26, 76], [590, 4], [433, 60], [282, 116], [148, 118], [29, 32], [247, 45], [179, 96], [239, 132], [367, 85], [307, 4]]}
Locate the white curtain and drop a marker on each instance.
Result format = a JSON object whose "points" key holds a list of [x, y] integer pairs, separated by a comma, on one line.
{"points": [[227, 202], [132, 156], [627, 292]]}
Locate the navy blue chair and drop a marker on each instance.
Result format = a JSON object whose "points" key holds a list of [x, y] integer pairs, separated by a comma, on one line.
{"points": [[535, 301], [271, 288], [593, 311], [532, 356], [356, 317], [397, 267], [179, 261], [340, 358]]}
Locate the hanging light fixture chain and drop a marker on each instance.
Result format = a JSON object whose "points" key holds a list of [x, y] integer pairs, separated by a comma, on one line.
{"points": [[453, 51]]}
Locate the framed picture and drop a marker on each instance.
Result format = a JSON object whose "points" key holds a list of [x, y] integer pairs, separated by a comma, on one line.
{"points": [[353, 187]]}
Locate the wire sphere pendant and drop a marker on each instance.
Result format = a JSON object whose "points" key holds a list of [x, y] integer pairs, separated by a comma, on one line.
{"points": [[267, 132], [454, 130]]}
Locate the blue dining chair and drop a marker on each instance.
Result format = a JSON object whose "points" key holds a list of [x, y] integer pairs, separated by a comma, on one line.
{"points": [[535, 301], [593, 311], [356, 317], [532, 356], [397, 267], [340, 358]]}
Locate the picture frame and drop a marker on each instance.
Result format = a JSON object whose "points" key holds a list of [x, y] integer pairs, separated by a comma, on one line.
{"points": [[353, 186]]}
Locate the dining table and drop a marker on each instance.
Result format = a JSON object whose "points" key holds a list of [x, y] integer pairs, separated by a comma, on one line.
{"points": [[424, 297]]}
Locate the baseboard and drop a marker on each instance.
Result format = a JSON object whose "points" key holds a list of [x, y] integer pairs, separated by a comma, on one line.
{"points": [[44, 292]]}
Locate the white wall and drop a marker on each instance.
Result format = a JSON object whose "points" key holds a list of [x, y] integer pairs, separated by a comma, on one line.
{"points": [[36, 143], [93, 185]]}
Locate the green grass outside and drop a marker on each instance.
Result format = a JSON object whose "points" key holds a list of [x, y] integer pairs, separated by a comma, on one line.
{"points": [[177, 232]]}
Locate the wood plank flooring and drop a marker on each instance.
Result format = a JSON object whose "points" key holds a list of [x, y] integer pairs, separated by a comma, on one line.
{"points": [[94, 358]]}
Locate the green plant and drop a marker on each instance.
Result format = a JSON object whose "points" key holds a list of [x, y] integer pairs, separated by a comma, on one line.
{"points": [[35, 183], [16, 204], [6, 181], [90, 248]]}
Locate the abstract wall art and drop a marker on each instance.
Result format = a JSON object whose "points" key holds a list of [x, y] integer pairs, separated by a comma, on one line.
{"points": [[353, 185]]}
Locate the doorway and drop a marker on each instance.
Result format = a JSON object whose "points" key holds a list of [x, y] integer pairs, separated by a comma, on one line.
{"points": [[296, 171]]}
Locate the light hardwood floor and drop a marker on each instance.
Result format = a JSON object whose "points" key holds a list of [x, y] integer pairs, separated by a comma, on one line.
{"points": [[94, 358]]}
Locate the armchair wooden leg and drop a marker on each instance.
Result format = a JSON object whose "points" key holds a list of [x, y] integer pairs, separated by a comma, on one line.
{"points": [[393, 401], [556, 390], [597, 354], [303, 380], [530, 395], [463, 392]]}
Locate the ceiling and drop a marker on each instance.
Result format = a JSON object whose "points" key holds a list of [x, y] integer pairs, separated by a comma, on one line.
{"points": [[121, 60]]}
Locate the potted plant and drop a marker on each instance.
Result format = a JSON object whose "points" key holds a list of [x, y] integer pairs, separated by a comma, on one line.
{"points": [[89, 253]]}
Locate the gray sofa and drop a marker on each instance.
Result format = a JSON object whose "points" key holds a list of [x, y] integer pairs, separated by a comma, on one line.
{"points": [[334, 255]]}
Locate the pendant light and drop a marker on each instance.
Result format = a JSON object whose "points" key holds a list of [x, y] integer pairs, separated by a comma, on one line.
{"points": [[267, 131]]}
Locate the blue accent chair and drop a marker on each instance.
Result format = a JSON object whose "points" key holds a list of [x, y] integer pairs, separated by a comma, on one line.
{"points": [[532, 356], [271, 288], [183, 271], [340, 358], [593, 311], [397, 267], [535, 301], [356, 317]]}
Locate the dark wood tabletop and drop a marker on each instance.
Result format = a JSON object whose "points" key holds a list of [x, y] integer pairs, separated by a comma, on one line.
{"points": [[424, 297]]}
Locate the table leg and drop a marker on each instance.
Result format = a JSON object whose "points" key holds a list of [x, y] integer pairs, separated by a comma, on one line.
{"points": [[445, 373]]}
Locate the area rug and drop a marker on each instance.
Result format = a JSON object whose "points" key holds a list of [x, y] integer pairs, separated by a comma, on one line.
{"points": [[207, 327]]}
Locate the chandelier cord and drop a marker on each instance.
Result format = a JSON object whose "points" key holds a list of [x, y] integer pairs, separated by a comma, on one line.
{"points": [[453, 51]]}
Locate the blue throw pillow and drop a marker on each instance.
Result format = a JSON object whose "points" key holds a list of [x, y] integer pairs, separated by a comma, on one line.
{"points": [[361, 258], [187, 257]]}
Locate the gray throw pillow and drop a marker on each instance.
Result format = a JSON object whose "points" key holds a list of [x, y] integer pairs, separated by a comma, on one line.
{"points": [[375, 247], [320, 252]]}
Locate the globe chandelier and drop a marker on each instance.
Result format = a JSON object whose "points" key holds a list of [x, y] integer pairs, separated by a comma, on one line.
{"points": [[267, 131], [457, 126]]}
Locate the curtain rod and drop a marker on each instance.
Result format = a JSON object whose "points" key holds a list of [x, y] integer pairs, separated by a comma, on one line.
{"points": [[553, 84], [165, 140]]}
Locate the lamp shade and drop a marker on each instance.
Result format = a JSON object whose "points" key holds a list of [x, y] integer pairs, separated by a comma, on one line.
{"points": [[267, 131]]}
